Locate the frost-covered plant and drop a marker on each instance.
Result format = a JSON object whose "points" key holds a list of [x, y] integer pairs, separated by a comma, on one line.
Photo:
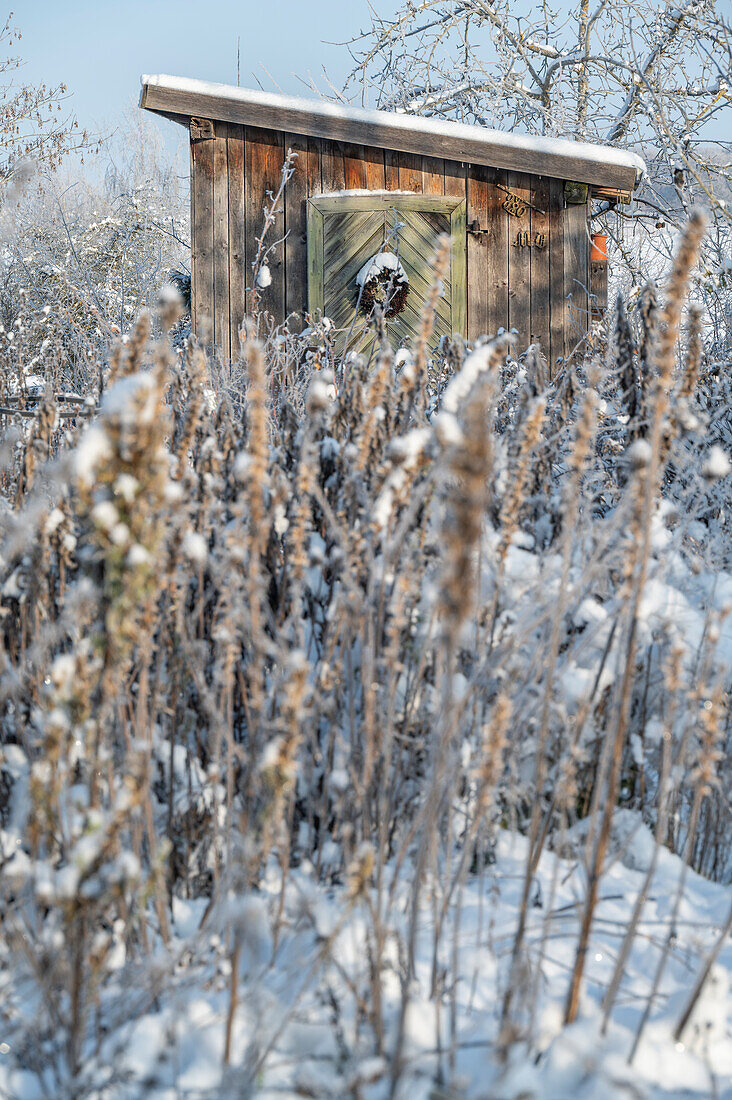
{"points": [[83, 879], [82, 257], [340, 632]]}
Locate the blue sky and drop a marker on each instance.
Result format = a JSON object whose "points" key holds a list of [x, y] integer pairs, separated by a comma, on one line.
{"points": [[99, 49]]}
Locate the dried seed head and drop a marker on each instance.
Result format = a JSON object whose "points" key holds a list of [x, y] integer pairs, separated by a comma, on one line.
{"points": [[360, 870], [170, 305], [694, 352], [685, 260], [448, 430], [639, 454], [319, 396]]}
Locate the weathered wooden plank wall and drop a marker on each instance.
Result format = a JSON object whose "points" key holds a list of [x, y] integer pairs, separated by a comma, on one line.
{"points": [[498, 240], [375, 169], [519, 264], [296, 194], [478, 249], [237, 233], [433, 176], [202, 276], [556, 270], [539, 289], [540, 259], [221, 240], [576, 277], [267, 151]]}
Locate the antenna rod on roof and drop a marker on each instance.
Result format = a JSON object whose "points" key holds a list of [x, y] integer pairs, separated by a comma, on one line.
{"points": [[238, 48]]}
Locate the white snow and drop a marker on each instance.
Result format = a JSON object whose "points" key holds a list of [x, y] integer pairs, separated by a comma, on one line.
{"points": [[120, 534], [360, 192], [405, 456], [126, 486], [448, 430], [195, 548], [137, 556], [382, 261], [93, 448], [717, 464], [133, 400], [320, 395], [285, 1000], [169, 295], [477, 363], [598, 155], [55, 519], [639, 453], [249, 919], [104, 515]]}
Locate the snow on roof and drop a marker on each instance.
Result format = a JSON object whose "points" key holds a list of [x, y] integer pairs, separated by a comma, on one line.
{"points": [[581, 161]]}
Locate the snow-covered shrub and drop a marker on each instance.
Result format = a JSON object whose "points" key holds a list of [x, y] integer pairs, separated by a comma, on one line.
{"points": [[82, 256]]}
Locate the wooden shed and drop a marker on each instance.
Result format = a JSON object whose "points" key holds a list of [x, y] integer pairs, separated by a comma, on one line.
{"points": [[517, 207]]}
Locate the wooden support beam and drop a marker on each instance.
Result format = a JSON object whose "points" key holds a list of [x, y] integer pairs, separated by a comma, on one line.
{"points": [[579, 161]]}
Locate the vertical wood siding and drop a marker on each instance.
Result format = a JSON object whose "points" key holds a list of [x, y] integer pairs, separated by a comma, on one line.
{"points": [[433, 176], [373, 160], [332, 166], [296, 248], [576, 277], [266, 150], [237, 234], [542, 292], [478, 251], [497, 244], [410, 172], [556, 272], [391, 170], [202, 276], [540, 260], [519, 265], [222, 335]]}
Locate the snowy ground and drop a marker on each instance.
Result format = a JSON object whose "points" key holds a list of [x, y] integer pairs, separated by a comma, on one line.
{"points": [[297, 1026]]}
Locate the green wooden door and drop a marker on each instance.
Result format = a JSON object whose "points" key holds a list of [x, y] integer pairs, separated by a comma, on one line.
{"points": [[346, 231]]}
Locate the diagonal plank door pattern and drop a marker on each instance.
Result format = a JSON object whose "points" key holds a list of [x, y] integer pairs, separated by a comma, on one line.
{"points": [[344, 232]]}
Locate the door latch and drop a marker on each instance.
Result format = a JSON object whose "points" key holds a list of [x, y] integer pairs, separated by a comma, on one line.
{"points": [[475, 228]]}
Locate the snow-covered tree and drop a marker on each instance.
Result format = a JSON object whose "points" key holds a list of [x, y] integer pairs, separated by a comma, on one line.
{"points": [[83, 255], [36, 128], [648, 75]]}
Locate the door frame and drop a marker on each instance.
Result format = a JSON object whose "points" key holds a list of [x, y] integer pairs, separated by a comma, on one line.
{"points": [[454, 207]]}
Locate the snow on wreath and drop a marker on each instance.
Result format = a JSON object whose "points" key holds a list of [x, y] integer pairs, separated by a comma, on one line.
{"points": [[382, 279]]}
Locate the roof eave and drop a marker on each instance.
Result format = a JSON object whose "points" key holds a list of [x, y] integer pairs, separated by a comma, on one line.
{"points": [[182, 104]]}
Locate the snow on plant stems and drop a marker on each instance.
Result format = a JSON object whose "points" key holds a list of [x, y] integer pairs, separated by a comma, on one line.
{"points": [[350, 730]]}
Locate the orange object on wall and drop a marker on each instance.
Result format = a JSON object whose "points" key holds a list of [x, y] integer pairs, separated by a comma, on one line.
{"points": [[599, 248]]}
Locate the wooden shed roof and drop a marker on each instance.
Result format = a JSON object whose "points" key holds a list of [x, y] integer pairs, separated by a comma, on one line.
{"points": [[181, 98]]}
